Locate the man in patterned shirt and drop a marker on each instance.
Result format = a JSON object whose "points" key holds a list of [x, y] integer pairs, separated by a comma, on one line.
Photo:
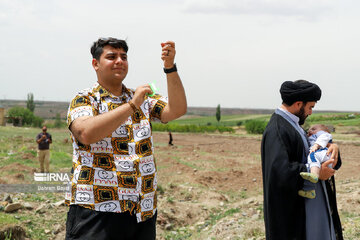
{"points": [[113, 187]]}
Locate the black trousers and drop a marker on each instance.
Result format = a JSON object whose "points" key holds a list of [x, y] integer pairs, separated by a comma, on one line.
{"points": [[87, 224]]}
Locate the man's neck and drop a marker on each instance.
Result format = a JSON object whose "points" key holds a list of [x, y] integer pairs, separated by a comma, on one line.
{"points": [[288, 108], [113, 88], [289, 113]]}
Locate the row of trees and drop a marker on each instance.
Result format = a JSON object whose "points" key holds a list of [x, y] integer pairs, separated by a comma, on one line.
{"points": [[25, 116], [20, 116], [253, 126]]}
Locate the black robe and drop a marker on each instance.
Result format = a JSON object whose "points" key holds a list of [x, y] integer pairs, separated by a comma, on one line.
{"points": [[282, 152]]}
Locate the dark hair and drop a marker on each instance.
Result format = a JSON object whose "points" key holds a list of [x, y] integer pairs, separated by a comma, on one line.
{"points": [[321, 127], [97, 47]]}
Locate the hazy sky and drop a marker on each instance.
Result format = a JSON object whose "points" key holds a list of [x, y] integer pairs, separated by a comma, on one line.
{"points": [[230, 52]]}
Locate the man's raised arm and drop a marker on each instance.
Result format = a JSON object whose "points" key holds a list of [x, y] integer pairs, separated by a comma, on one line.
{"points": [[177, 105]]}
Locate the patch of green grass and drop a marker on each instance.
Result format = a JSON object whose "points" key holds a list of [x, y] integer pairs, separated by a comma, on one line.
{"points": [[6, 218], [221, 169], [60, 159], [179, 234], [226, 120], [38, 223], [159, 144], [350, 215], [178, 159], [17, 143], [351, 225], [162, 166], [35, 223], [344, 119], [8, 236], [254, 232], [215, 217], [160, 189], [243, 194], [174, 127], [41, 197], [170, 199]]}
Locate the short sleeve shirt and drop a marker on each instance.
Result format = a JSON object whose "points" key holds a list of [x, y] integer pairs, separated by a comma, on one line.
{"points": [[118, 173], [44, 144]]}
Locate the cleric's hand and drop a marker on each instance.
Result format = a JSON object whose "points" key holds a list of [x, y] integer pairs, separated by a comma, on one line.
{"points": [[325, 171], [333, 149]]}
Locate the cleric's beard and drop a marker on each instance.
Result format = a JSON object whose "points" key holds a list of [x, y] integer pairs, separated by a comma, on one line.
{"points": [[301, 115]]}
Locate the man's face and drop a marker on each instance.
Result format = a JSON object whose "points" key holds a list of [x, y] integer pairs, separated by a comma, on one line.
{"points": [[44, 129], [305, 111], [112, 65]]}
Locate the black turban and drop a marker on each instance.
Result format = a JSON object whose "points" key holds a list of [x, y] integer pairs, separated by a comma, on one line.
{"points": [[300, 90]]}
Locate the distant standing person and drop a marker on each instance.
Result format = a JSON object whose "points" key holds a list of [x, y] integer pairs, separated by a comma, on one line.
{"points": [[170, 139], [44, 140]]}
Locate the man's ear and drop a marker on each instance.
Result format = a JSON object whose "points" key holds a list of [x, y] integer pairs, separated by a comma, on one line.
{"points": [[298, 104], [95, 64]]}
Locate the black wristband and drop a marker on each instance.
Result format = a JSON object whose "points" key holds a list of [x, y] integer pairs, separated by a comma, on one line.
{"points": [[170, 70]]}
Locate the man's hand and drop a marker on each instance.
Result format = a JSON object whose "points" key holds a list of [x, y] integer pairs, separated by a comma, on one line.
{"points": [[325, 171], [177, 105], [168, 53], [333, 149], [139, 95]]}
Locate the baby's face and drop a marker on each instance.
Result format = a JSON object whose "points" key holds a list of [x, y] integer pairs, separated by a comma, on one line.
{"points": [[313, 130]]}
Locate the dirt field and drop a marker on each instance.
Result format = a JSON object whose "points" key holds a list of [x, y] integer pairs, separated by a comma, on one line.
{"points": [[215, 184], [210, 187]]}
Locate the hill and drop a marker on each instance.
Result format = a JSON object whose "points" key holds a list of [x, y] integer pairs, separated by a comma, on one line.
{"points": [[49, 109], [44, 109]]}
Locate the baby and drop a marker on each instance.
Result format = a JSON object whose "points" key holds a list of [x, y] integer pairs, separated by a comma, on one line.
{"points": [[319, 137]]}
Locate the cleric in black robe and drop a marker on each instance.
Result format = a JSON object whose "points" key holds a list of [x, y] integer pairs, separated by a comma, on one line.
{"points": [[284, 150]]}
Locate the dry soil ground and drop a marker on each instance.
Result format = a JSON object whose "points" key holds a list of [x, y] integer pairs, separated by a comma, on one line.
{"points": [[215, 184], [210, 187]]}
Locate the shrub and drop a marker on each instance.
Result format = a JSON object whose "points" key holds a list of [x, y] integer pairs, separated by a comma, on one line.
{"points": [[37, 121], [28, 117], [255, 126], [58, 122], [332, 117], [189, 128], [239, 123]]}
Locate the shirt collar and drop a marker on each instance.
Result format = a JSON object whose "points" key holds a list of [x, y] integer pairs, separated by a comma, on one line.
{"points": [[294, 118], [105, 93]]}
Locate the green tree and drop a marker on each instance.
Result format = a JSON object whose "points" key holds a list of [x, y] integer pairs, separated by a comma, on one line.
{"points": [[24, 115], [30, 102], [218, 113]]}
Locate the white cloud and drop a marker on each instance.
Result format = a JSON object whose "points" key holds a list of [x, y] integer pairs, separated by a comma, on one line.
{"points": [[298, 8]]}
